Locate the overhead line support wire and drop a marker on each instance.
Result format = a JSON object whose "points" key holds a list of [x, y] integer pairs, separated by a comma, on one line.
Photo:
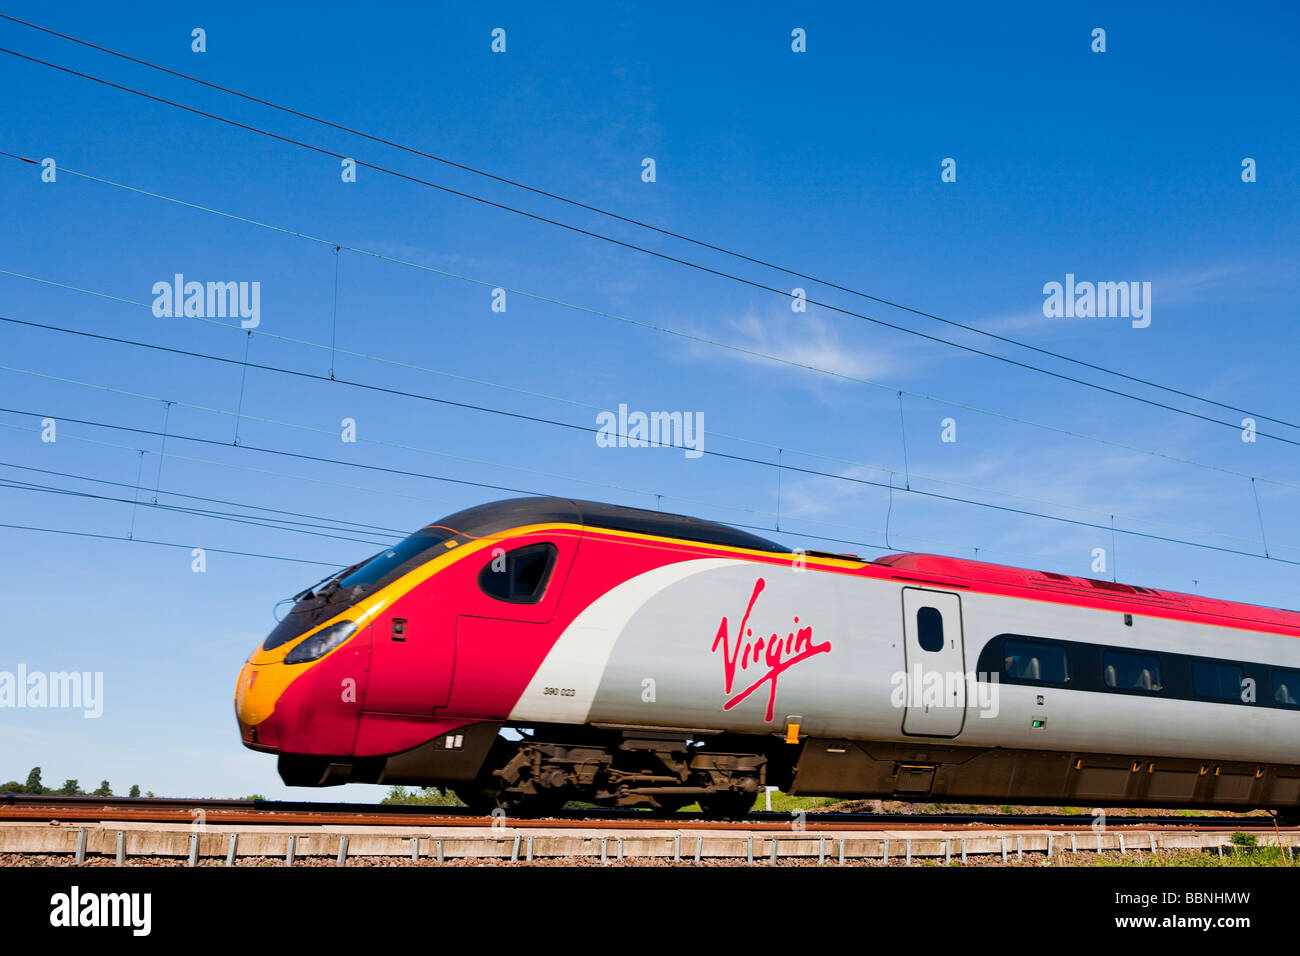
{"points": [[642, 249], [168, 544], [630, 220], [807, 471], [619, 318]]}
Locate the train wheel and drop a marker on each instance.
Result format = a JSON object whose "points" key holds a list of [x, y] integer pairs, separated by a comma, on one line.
{"points": [[728, 804]]}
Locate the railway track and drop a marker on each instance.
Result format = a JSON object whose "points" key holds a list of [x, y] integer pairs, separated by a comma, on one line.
{"points": [[44, 830], [25, 807]]}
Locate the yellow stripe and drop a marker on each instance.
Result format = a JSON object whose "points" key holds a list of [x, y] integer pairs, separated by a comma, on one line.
{"points": [[254, 704], [417, 576], [257, 703]]}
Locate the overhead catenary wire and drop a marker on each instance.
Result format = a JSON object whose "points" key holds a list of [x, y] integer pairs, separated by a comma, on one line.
{"points": [[590, 430], [317, 479], [887, 546], [180, 509], [466, 167], [965, 406], [837, 540], [266, 472], [481, 408], [533, 393], [441, 453], [329, 564], [1126, 532], [516, 467], [651, 252], [342, 564], [168, 544], [621, 488], [319, 521], [426, 498], [1195, 396], [1261, 416]]}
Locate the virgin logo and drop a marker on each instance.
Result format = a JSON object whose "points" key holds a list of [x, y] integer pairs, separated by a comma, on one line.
{"points": [[777, 654]]}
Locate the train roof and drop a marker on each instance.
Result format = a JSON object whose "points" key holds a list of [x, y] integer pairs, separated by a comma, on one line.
{"points": [[513, 512], [1072, 589], [930, 569]]}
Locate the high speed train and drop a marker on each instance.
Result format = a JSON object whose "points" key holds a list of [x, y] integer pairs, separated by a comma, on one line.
{"points": [[532, 651]]}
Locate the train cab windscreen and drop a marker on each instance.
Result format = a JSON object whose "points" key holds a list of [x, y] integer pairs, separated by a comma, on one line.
{"points": [[397, 560]]}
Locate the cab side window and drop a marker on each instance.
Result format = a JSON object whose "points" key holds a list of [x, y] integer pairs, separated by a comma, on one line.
{"points": [[518, 576]]}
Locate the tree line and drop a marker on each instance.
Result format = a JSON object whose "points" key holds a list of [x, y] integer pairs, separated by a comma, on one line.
{"points": [[70, 788]]}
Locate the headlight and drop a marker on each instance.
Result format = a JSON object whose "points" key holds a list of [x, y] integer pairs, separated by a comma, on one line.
{"points": [[321, 643]]}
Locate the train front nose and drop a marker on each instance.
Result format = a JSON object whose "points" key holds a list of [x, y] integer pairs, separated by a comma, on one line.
{"points": [[255, 700], [303, 696]]}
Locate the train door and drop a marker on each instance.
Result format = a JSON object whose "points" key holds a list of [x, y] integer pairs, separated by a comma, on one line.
{"points": [[505, 608], [935, 704], [412, 655]]}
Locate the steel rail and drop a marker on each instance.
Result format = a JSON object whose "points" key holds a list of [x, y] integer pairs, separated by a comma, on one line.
{"points": [[22, 807]]}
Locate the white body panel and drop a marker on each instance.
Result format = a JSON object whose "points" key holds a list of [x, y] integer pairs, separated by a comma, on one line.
{"points": [[653, 652]]}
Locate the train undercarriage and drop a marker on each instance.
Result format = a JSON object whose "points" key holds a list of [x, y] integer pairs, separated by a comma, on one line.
{"points": [[645, 769], [538, 769]]}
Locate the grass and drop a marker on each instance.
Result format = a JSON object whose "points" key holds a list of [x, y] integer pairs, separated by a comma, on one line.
{"points": [[784, 803], [1235, 856]]}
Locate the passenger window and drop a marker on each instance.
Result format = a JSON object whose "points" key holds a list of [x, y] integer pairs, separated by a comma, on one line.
{"points": [[929, 629], [518, 576], [1029, 660], [1217, 681], [1125, 671], [1286, 688]]}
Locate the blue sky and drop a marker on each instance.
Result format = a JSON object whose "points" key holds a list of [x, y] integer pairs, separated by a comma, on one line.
{"points": [[1115, 166]]}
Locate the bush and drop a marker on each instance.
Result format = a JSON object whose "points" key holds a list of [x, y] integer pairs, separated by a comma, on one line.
{"points": [[429, 796]]}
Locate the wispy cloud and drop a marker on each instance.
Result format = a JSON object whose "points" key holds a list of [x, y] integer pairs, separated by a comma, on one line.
{"points": [[802, 339]]}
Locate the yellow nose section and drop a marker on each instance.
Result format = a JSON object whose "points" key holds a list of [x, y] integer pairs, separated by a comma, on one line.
{"points": [[259, 688]]}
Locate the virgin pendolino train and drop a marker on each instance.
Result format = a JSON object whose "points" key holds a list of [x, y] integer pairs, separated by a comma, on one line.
{"points": [[533, 651]]}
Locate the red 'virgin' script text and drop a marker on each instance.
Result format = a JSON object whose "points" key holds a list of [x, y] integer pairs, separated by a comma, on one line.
{"points": [[778, 654]]}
